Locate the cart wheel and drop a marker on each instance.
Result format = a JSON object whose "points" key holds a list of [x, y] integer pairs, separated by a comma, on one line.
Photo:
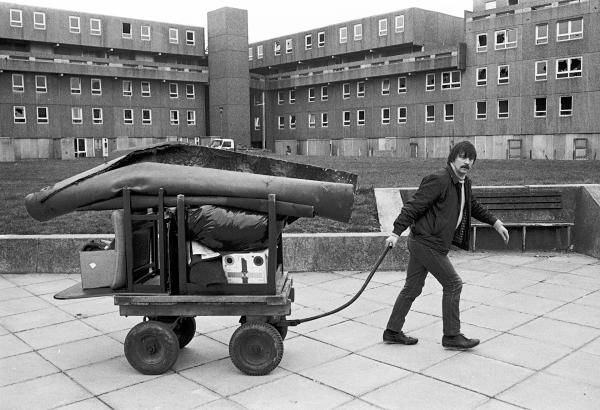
{"points": [[151, 347], [185, 329], [256, 348]]}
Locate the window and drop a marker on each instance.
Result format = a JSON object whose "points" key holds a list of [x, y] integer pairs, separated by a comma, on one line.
{"points": [[346, 90], [489, 5], [360, 89], [97, 115], [481, 42], [126, 30], [429, 113], [42, 115], [568, 67], [191, 117], [540, 107], [324, 93], [16, 18], [506, 39], [360, 117], [581, 148], [541, 70], [173, 90], [514, 149], [41, 85], [128, 116], [385, 87], [308, 42], [292, 96], [249, 53], [448, 112], [18, 83], [127, 91], [76, 115], [358, 32], [80, 147], [190, 37], [566, 106], [569, 29], [174, 117], [280, 122], [256, 123], [95, 27], [541, 34], [383, 27], [147, 116], [146, 89], [346, 118], [75, 85], [503, 109], [259, 52], [321, 39], [343, 35], [401, 115], [399, 20], [292, 122], [503, 76], [450, 79], [96, 86], [513, 2], [324, 120], [481, 110], [430, 82], [277, 48], [481, 78], [385, 116], [401, 85], [19, 115], [289, 45], [280, 97], [190, 91], [173, 36], [312, 120], [39, 21], [145, 33], [74, 25], [311, 94]]}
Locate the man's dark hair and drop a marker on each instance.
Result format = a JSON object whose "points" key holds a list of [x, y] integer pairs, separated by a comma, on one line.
{"points": [[464, 148]]}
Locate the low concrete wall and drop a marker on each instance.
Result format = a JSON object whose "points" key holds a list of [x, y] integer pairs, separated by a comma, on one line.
{"points": [[302, 252], [587, 221]]}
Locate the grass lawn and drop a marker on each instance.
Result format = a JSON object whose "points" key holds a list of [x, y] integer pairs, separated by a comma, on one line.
{"points": [[20, 178]]}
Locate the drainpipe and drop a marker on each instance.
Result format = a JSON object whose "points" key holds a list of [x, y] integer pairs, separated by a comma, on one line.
{"points": [[264, 123]]}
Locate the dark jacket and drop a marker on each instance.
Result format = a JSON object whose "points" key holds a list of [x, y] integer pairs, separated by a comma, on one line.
{"points": [[433, 210]]}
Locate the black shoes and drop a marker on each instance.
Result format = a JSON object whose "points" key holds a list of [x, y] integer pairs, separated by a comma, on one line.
{"points": [[390, 336], [459, 342]]}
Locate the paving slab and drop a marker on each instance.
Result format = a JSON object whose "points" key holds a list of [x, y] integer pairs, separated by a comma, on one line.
{"points": [[539, 331]]}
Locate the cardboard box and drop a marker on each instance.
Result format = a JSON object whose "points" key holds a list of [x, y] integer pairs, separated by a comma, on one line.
{"points": [[97, 268]]}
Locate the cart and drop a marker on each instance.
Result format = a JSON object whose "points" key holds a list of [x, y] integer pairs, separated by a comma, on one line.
{"points": [[157, 286]]}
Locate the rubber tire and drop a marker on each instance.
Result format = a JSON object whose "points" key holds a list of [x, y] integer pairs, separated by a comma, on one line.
{"points": [[185, 330], [256, 348], [282, 330], [151, 347]]}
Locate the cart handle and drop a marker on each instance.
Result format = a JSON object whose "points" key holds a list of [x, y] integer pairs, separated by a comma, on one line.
{"points": [[295, 322]]}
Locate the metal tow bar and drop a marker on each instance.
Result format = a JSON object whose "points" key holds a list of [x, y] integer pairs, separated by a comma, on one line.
{"points": [[295, 322]]}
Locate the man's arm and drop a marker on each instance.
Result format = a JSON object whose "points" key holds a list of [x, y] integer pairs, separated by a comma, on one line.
{"points": [[428, 192], [480, 213]]}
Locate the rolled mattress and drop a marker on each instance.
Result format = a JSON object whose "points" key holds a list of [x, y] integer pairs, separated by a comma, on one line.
{"points": [[329, 199]]}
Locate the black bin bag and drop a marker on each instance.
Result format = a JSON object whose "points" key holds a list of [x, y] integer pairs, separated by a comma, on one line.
{"points": [[225, 229]]}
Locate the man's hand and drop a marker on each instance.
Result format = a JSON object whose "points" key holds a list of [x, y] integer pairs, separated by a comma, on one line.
{"points": [[499, 227], [391, 240]]}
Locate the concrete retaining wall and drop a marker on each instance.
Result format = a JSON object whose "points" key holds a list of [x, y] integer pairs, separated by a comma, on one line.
{"points": [[302, 252], [587, 221]]}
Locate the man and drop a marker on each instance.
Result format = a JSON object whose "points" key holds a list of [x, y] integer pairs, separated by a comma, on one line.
{"points": [[439, 214]]}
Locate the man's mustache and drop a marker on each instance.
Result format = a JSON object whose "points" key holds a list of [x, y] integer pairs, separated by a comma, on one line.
{"points": [[466, 166]]}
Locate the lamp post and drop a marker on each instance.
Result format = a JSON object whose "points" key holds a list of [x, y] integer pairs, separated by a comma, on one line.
{"points": [[221, 122]]}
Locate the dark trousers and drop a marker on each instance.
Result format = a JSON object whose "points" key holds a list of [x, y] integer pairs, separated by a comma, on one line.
{"points": [[422, 260]]}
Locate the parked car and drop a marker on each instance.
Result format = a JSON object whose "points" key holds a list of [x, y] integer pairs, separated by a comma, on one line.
{"points": [[223, 143]]}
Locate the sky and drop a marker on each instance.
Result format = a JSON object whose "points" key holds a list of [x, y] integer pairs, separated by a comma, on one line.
{"points": [[266, 18]]}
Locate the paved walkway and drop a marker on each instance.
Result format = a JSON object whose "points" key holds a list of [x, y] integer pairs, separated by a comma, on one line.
{"points": [[538, 317]]}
